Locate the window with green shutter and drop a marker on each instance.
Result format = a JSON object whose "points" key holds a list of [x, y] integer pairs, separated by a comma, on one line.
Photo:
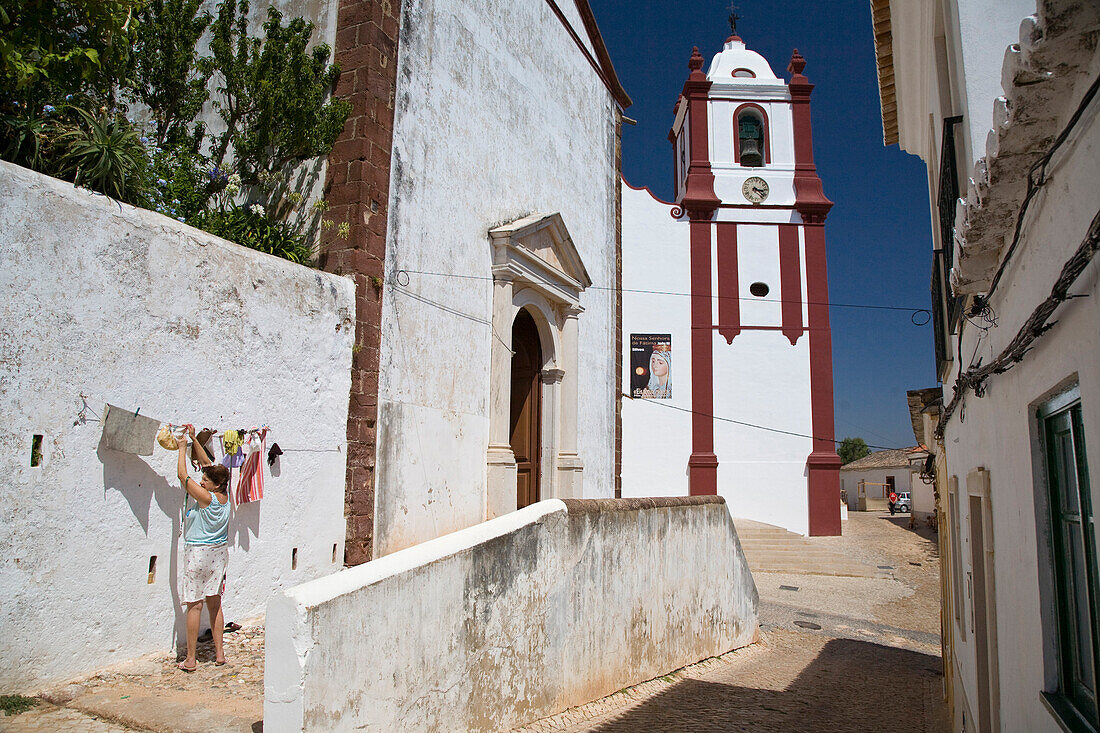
{"points": [[1076, 581]]}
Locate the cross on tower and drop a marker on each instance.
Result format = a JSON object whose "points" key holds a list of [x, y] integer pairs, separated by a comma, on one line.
{"points": [[734, 17]]}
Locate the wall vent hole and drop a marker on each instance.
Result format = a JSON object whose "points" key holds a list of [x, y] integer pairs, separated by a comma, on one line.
{"points": [[152, 569], [294, 559], [759, 289], [36, 450], [334, 552]]}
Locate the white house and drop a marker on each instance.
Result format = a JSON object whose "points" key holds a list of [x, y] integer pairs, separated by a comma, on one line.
{"points": [[881, 472], [998, 97], [731, 388]]}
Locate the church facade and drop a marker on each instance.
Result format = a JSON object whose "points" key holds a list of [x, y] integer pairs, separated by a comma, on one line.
{"points": [[728, 362], [479, 176]]}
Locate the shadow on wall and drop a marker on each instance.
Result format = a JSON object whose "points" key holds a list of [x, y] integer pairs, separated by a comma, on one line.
{"points": [[140, 485], [834, 692]]}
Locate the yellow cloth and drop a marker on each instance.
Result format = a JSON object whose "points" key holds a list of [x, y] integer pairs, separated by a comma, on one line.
{"points": [[231, 439]]}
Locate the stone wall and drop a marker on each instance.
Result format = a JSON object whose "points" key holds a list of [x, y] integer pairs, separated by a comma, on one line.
{"points": [[511, 620], [357, 188], [128, 307]]}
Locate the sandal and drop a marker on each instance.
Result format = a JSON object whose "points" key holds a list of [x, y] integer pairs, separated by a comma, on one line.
{"points": [[231, 627], [187, 669], [219, 664]]}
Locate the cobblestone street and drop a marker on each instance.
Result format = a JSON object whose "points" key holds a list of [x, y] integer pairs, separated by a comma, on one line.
{"points": [[836, 653]]}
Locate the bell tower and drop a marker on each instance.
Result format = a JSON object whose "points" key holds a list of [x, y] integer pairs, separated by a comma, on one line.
{"points": [[756, 328]]}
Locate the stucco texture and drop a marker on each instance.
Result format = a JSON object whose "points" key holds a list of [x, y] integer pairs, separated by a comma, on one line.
{"points": [[137, 310], [530, 613], [498, 115]]}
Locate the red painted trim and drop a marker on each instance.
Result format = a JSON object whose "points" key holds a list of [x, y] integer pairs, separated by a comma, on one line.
{"points": [[762, 328], [699, 198], [823, 464], [729, 304], [703, 463], [646, 189], [809, 197], [603, 66], [752, 74], [737, 132], [790, 281]]}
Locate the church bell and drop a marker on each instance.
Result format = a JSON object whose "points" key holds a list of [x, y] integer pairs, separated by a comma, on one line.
{"points": [[751, 155]]}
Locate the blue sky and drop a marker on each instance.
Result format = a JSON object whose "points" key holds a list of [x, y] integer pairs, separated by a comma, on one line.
{"points": [[878, 231]]}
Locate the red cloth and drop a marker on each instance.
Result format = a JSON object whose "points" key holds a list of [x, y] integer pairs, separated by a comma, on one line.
{"points": [[893, 496], [250, 485]]}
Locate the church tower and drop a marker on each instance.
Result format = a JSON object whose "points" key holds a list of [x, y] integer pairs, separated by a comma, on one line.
{"points": [[749, 414]]}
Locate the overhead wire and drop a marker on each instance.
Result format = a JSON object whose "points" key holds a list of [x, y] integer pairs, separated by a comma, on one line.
{"points": [[749, 424], [402, 276]]}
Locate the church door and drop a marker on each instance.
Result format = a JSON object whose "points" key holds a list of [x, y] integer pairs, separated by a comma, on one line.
{"points": [[526, 413]]}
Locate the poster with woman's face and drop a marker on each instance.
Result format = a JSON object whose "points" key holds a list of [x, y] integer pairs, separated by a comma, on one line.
{"points": [[651, 365]]}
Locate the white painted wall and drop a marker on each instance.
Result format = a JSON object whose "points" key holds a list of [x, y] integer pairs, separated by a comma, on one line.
{"points": [[998, 431], [498, 115], [760, 378], [657, 433], [531, 613], [999, 434], [132, 308], [975, 34]]}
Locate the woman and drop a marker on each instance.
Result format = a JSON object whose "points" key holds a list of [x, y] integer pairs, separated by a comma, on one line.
{"points": [[206, 551]]}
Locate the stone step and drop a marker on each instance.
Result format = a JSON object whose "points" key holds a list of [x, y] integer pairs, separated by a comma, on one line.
{"points": [[773, 549]]}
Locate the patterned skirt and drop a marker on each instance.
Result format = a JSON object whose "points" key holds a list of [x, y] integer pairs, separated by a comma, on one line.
{"points": [[203, 571]]}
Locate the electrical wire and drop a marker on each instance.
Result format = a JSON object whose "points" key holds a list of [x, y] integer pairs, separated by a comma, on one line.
{"points": [[748, 424], [402, 276], [1034, 327]]}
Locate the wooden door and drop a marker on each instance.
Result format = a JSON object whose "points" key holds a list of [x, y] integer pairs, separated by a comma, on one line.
{"points": [[981, 617], [526, 412]]}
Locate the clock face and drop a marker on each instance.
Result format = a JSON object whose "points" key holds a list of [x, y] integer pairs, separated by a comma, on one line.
{"points": [[755, 189]]}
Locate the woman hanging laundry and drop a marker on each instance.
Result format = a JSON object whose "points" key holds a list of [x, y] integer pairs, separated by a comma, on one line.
{"points": [[206, 550]]}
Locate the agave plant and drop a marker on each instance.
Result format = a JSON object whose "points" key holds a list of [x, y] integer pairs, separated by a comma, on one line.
{"points": [[104, 154]]}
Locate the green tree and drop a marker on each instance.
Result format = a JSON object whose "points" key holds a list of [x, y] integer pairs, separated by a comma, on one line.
{"points": [[274, 93], [167, 76], [852, 449], [61, 47]]}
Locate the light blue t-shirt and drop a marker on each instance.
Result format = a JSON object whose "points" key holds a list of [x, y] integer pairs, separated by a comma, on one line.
{"points": [[209, 525]]}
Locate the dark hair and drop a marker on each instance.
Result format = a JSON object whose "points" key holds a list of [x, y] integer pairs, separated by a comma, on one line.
{"points": [[218, 474]]}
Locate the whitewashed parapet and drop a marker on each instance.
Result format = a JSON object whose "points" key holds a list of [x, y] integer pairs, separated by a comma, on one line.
{"points": [[508, 621], [1041, 78]]}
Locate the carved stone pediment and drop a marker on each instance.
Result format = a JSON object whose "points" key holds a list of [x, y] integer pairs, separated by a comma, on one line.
{"points": [[537, 251]]}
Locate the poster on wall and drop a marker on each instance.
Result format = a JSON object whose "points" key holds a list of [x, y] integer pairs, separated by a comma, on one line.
{"points": [[651, 365]]}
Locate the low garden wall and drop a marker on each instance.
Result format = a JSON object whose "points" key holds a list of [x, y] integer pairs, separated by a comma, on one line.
{"points": [[510, 620]]}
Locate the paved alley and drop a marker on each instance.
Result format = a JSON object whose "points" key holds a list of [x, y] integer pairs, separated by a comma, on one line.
{"points": [[836, 653]]}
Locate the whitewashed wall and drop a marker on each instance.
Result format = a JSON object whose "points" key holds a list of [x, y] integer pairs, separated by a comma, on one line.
{"points": [[135, 309], [760, 378], [531, 613], [498, 115], [1000, 434], [958, 73]]}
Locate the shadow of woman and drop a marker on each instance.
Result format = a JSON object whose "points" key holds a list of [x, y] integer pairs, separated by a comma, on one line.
{"points": [[140, 485]]}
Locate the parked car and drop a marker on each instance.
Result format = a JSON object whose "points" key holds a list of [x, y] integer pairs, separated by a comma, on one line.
{"points": [[904, 502]]}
